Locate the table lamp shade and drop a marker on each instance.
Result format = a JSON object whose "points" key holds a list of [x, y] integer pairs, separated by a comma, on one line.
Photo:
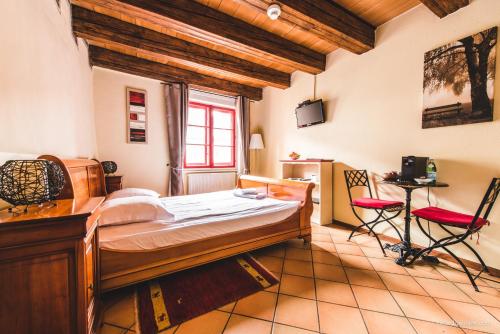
{"points": [[25, 182], [256, 142]]}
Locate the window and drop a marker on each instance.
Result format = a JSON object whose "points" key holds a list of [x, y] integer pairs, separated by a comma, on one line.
{"points": [[210, 137]]}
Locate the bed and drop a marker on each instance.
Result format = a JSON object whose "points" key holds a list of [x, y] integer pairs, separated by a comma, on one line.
{"points": [[137, 252]]}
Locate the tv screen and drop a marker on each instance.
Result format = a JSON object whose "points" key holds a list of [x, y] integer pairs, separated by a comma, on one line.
{"points": [[310, 113]]}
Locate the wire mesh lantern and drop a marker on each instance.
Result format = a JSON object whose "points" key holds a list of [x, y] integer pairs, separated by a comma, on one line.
{"points": [[109, 167], [27, 182]]}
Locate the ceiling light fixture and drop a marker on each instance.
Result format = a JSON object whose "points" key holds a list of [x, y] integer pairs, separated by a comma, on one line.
{"points": [[274, 11]]}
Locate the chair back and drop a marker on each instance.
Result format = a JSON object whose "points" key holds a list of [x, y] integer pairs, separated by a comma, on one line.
{"points": [[488, 201], [357, 178]]}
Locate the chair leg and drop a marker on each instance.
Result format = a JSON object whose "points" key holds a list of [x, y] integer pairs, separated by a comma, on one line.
{"points": [[483, 264], [443, 243]]}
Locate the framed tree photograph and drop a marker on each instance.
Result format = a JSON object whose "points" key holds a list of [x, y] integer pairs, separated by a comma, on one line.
{"points": [[137, 116], [459, 81]]}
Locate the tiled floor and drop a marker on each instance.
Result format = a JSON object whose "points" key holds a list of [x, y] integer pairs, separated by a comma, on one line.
{"points": [[337, 286]]}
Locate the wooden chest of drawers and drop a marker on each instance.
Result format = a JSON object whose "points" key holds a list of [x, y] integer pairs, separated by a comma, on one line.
{"points": [[49, 280], [113, 183]]}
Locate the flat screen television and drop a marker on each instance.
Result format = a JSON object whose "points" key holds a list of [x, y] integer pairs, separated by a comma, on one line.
{"points": [[310, 113]]}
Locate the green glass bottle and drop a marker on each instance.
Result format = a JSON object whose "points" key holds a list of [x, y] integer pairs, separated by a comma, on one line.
{"points": [[431, 170]]}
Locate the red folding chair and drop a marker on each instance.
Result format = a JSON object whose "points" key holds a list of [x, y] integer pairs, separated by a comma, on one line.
{"points": [[467, 224], [359, 178]]}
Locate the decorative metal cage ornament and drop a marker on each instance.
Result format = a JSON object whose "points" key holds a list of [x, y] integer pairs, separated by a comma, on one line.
{"points": [[109, 167], [27, 182]]}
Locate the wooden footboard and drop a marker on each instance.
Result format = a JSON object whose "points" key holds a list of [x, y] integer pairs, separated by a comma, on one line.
{"points": [[285, 190]]}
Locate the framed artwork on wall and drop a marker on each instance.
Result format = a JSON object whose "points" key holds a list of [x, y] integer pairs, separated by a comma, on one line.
{"points": [[137, 116], [459, 81]]}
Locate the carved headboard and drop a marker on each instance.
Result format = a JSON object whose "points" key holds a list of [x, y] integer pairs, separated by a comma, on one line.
{"points": [[84, 177]]}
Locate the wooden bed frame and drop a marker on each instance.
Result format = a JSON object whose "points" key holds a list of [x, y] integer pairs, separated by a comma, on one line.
{"points": [[85, 178]]}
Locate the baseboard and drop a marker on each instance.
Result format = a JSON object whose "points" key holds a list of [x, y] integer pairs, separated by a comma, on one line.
{"points": [[469, 263]]}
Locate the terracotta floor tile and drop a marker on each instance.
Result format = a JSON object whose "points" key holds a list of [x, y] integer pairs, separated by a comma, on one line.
{"points": [[443, 289], [457, 276], [259, 305], [422, 308], [388, 266], [297, 286], [356, 262], [301, 268], [121, 313], [318, 229], [339, 319], [271, 263], [425, 271], [335, 292], [238, 324], [321, 237], [380, 323], [486, 296], [376, 300], [425, 327], [227, 308], [470, 316], [402, 283], [209, 323], [326, 258], [298, 254], [328, 272], [297, 243], [297, 312], [374, 252], [492, 282], [367, 241], [367, 278], [493, 311], [284, 329], [349, 249], [323, 246]]}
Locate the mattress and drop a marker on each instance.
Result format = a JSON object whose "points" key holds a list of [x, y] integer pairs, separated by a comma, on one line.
{"points": [[197, 217]]}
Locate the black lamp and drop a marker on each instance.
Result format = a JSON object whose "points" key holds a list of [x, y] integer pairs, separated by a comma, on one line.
{"points": [[27, 182], [109, 167]]}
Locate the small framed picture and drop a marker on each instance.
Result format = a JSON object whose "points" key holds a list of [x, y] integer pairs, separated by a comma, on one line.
{"points": [[137, 116]]}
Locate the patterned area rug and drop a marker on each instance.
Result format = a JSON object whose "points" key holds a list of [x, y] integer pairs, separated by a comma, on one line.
{"points": [[173, 299]]}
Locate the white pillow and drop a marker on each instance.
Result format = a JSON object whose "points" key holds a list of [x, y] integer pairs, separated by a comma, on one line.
{"points": [[134, 209], [129, 192]]}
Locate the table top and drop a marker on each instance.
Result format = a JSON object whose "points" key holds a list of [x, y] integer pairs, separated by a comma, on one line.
{"points": [[415, 185]]}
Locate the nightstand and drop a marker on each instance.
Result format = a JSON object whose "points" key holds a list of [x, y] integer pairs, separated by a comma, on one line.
{"points": [[113, 183]]}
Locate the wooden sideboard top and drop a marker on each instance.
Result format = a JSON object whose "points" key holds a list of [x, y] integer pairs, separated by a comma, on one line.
{"points": [[65, 209]]}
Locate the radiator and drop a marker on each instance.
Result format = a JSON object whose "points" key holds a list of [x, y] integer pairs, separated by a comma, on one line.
{"points": [[198, 183]]}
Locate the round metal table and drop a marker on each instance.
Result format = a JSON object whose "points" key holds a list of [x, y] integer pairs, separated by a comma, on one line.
{"points": [[404, 248]]}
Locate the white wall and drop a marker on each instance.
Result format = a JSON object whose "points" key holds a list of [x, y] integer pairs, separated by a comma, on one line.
{"points": [[45, 82], [142, 165], [374, 106]]}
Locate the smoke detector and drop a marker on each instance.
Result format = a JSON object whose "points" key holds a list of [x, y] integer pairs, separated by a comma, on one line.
{"points": [[274, 11]]}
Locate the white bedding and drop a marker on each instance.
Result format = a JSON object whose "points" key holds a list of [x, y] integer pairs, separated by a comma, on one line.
{"points": [[196, 217]]}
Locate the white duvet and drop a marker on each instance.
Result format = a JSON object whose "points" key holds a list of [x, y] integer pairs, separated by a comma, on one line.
{"points": [[197, 217]]}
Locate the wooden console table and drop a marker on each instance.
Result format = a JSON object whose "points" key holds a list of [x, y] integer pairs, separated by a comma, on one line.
{"points": [[323, 192]]}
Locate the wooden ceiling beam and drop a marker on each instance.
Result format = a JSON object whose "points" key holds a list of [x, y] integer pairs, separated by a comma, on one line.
{"points": [[138, 66], [330, 21], [443, 8], [90, 25], [215, 26]]}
